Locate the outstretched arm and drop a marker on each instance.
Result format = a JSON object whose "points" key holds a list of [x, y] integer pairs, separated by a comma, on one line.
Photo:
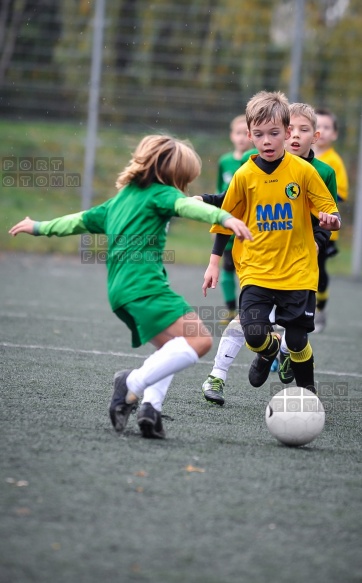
{"points": [[61, 227], [193, 209]]}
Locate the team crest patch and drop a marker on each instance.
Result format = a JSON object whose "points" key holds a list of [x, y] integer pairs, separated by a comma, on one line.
{"points": [[292, 190]]}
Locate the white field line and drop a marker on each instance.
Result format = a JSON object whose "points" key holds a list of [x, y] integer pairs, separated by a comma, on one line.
{"points": [[144, 356], [50, 318]]}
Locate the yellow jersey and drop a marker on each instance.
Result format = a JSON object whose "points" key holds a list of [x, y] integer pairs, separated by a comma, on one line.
{"points": [[276, 208], [334, 160]]}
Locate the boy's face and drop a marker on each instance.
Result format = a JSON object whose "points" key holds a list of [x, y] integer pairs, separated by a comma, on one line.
{"points": [[302, 136], [269, 139], [326, 130], [239, 137]]}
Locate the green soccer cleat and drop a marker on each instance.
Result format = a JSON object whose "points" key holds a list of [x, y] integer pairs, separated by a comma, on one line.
{"points": [[213, 389], [285, 371]]}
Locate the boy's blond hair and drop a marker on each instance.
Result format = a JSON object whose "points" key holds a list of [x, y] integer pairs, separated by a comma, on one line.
{"points": [[161, 158], [236, 120], [306, 111], [267, 106]]}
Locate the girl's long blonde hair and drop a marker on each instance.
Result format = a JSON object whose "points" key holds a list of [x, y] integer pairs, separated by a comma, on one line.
{"points": [[160, 158]]}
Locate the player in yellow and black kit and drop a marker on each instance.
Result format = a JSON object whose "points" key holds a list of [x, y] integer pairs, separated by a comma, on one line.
{"points": [[273, 194]]}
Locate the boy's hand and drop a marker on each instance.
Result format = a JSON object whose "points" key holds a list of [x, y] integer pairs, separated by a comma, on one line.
{"points": [[25, 226], [211, 276], [198, 197], [329, 222], [239, 228]]}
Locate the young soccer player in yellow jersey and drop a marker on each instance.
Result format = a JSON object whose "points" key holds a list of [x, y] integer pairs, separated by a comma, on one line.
{"points": [[327, 126], [303, 128], [273, 193], [227, 165]]}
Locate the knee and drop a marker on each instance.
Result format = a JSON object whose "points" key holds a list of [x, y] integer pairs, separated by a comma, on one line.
{"points": [[201, 344], [256, 335]]}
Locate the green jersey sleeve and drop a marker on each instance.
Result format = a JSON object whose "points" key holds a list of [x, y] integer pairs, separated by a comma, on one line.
{"points": [[62, 226], [190, 208], [95, 218]]}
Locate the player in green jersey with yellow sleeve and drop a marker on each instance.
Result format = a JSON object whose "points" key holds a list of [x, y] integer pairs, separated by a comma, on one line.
{"points": [[151, 191]]}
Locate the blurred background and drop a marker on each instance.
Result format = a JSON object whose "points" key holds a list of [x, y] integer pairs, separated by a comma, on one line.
{"points": [[84, 81]]}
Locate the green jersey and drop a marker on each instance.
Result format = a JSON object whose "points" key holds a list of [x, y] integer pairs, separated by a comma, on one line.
{"points": [[247, 155], [227, 167], [327, 174], [135, 222]]}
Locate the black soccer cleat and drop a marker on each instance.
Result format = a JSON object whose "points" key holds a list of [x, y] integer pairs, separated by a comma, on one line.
{"points": [[149, 422], [119, 410], [285, 371], [260, 367]]}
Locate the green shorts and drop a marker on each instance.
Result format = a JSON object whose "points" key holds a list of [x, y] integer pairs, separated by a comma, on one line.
{"points": [[148, 316]]}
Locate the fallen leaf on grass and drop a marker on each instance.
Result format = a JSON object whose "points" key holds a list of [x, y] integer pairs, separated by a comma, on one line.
{"points": [[191, 468], [22, 511]]}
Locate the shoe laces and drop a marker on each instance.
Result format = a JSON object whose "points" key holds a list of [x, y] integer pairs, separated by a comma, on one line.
{"points": [[216, 384], [284, 364]]}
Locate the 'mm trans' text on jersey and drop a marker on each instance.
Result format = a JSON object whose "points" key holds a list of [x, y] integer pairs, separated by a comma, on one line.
{"points": [[277, 218]]}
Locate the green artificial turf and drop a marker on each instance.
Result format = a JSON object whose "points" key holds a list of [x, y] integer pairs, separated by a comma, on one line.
{"points": [[219, 501]]}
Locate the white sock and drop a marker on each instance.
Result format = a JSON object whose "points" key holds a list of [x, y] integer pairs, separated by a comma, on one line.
{"points": [[231, 342], [174, 356], [156, 394], [283, 345]]}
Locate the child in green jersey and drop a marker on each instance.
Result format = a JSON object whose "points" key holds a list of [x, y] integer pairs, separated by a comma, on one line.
{"points": [[274, 192], [151, 191], [327, 127], [228, 164]]}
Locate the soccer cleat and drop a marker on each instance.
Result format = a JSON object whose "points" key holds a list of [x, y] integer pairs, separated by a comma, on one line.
{"points": [[320, 321], [274, 366], [149, 422], [119, 410], [285, 371], [260, 367], [213, 389]]}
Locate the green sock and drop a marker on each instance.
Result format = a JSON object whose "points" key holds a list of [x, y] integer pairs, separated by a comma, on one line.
{"points": [[227, 282]]}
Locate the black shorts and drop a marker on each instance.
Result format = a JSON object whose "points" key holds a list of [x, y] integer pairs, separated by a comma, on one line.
{"points": [[293, 307]]}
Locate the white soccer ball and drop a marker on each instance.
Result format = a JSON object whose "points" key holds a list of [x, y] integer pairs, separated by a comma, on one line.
{"points": [[295, 416]]}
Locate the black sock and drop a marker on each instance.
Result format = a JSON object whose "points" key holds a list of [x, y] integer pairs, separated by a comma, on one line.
{"points": [[304, 373]]}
